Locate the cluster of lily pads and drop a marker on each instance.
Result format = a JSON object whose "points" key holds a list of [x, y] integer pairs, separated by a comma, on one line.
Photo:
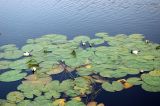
{"points": [[105, 59]]}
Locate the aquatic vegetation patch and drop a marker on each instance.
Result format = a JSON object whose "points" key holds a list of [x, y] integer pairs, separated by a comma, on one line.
{"points": [[92, 62]]}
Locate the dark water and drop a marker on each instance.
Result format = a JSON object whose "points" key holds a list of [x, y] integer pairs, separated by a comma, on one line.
{"points": [[23, 19]]}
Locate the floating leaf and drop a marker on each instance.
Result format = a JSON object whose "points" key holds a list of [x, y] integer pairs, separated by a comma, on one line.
{"points": [[9, 104], [57, 69], [96, 41], [134, 81], [8, 47], [102, 34], [75, 103], [108, 87], [150, 83], [155, 73], [19, 64], [59, 102], [81, 39], [12, 75], [14, 54], [24, 103], [15, 96], [53, 94], [115, 86], [4, 64], [32, 47]]}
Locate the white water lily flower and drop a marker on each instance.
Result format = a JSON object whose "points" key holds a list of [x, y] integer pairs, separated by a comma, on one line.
{"points": [[34, 68], [83, 43], [26, 54], [141, 71], [135, 51], [147, 41]]}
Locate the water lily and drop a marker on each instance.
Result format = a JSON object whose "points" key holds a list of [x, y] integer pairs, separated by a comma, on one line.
{"points": [[26, 54], [135, 51], [146, 41], [34, 69], [141, 71], [83, 43]]}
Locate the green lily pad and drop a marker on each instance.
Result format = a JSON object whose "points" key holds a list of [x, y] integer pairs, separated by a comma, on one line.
{"points": [[136, 36], [53, 94], [150, 88], [108, 87], [134, 81], [12, 75], [75, 103], [102, 34], [12, 54], [66, 85], [150, 83], [112, 74], [96, 41], [15, 96], [151, 80], [29, 91], [115, 86], [54, 85], [19, 64], [4, 64], [8, 47], [81, 39], [2, 102], [9, 104], [32, 47], [24, 103], [155, 73]]}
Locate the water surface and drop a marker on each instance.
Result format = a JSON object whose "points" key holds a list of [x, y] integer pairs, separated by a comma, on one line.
{"points": [[24, 19]]}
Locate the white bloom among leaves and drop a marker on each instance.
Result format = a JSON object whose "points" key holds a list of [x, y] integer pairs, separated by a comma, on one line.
{"points": [[135, 51], [34, 68], [26, 54]]}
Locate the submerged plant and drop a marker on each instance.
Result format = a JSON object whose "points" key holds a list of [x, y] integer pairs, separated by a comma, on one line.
{"points": [[90, 59]]}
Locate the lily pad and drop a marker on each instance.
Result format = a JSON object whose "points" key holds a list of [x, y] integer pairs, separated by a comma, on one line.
{"points": [[15, 96], [150, 83], [75, 103], [4, 64], [155, 73], [24, 103], [12, 54], [134, 81], [102, 34], [31, 47], [115, 86], [12, 75], [8, 47], [81, 39], [96, 41]]}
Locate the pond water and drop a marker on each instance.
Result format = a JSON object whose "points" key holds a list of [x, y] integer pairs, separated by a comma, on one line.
{"points": [[24, 19]]}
